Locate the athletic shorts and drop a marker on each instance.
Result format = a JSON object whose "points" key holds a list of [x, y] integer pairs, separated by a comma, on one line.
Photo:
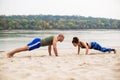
{"points": [[34, 44]]}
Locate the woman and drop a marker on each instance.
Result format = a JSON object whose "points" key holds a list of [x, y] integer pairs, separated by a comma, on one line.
{"points": [[92, 45]]}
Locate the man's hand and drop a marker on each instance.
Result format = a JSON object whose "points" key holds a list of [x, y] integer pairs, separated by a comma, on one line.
{"points": [[55, 51]]}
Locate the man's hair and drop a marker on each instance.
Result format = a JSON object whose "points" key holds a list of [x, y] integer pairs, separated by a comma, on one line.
{"points": [[75, 40], [61, 35]]}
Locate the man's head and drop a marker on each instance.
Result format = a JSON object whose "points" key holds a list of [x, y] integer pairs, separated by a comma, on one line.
{"points": [[60, 37], [75, 41]]}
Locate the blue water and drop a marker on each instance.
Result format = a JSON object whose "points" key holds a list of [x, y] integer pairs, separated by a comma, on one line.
{"points": [[17, 38]]}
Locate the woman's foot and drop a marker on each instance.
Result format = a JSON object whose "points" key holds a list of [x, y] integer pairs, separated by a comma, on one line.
{"points": [[109, 51], [115, 51]]}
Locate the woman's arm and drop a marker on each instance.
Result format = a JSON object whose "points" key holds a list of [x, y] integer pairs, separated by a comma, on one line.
{"points": [[78, 50], [87, 49], [85, 45]]}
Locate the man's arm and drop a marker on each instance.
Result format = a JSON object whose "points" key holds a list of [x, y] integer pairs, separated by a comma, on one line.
{"points": [[49, 50], [55, 51], [78, 50], [55, 47]]}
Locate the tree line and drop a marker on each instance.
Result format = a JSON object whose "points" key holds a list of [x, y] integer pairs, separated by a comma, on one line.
{"points": [[42, 22]]}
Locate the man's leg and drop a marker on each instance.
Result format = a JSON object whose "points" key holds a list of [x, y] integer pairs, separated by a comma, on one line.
{"points": [[11, 53]]}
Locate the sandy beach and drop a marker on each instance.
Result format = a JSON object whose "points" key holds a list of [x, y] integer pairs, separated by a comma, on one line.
{"points": [[37, 65]]}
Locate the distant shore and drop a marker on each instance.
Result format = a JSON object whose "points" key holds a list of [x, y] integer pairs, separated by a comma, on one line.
{"points": [[43, 22]]}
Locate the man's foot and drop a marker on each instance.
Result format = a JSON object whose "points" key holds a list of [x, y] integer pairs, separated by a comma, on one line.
{"points": [[115, 51]]}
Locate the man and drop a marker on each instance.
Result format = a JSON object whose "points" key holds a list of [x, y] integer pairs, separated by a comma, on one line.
{"points": [[38, 42]]}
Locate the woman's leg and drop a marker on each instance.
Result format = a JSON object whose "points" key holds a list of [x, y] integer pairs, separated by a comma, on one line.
{"points": [[11, 53], [103, 49]]}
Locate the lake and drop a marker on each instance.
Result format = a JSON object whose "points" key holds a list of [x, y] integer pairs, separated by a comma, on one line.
{"points": [[11, 39]]}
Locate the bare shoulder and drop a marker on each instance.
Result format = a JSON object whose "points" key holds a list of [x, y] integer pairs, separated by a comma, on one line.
{"points": [[82, 42], [54, 36], [55, 39]]}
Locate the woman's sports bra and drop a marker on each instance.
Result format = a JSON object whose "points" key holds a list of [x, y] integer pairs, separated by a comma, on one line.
{"points": [[82, 46]]}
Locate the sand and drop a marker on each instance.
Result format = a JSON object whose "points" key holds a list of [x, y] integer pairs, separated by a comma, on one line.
{"points": [[37, 65]]}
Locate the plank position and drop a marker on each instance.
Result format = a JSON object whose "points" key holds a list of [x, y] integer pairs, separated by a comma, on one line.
{"points": [[38, 42], [92, 45]]}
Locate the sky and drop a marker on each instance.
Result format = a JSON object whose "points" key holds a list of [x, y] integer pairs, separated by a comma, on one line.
{"points": [[93, 8]]}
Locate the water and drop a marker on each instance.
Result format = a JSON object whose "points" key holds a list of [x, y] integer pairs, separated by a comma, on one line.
{"points": [[17, 38]]}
